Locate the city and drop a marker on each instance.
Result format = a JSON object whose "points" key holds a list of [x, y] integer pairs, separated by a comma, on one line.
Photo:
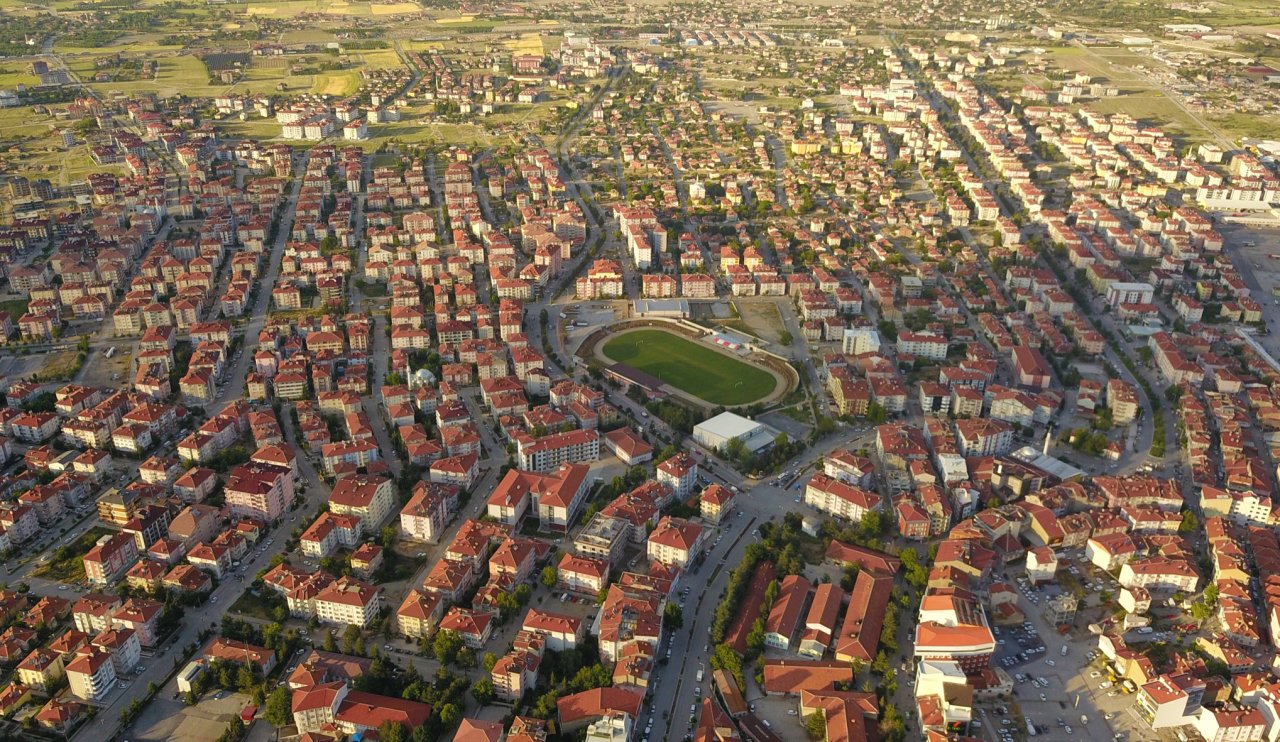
{"points": [[706, 371]]}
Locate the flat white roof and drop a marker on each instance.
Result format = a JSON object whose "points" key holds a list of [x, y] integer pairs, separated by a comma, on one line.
{"points": [[728, 425]]}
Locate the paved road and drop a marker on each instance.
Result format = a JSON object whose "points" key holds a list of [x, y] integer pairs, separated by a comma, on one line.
{"points": [[234, 388]]}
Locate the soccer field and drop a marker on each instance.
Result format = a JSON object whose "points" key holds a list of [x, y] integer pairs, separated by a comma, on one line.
{"points": [[701, 372]]}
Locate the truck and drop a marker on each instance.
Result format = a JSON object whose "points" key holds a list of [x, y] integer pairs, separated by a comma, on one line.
{"points": [[1031, 729], [699, 675]]}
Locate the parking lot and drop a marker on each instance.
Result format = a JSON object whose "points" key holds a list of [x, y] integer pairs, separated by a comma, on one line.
{"points": [[1251, 251], [578, 323], [1059, 686]]}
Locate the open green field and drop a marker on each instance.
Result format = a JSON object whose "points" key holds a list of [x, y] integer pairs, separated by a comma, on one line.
{"points": [[12, 75], [1248, 125], [692, 368]]}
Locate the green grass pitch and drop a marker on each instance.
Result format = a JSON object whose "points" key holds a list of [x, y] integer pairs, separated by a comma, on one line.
{"points": [[688, 366]]}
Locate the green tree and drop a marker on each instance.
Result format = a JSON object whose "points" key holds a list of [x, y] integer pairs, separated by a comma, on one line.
{"points": [[483, 692], [755, 639], [815, 725], [450, 716], [892, 726], [349, 638], [392, 731], [245, 678], [888, 330], [490, 659], [548, 576], [672, 617], [873, 524], [1201, 611], [1190, 523], [723, 657], [446, 646]]}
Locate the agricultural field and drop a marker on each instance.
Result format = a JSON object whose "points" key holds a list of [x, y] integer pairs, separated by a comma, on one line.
{"points": [[336, 8], [692, 368]]}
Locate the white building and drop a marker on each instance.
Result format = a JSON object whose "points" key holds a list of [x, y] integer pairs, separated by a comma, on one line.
{"points": [[1129, 293], [91, 674], [716, 433], [859, 340], [1042, 565], [1239, 724]]}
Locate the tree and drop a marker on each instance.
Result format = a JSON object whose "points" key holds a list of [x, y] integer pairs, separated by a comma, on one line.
{"points": [[392, 731], [450, 716], [736, 450], [490, 659], [1190, 523], [548, 576], [892, 726], [1201, 611], [889, 330], [446, 646], [876, 413], [388, 537], [672, 617], [815, 725], [755, 639], [786, 338], [483, 692], [723, 657], [349, 638], [245, 678], [873, 524]]}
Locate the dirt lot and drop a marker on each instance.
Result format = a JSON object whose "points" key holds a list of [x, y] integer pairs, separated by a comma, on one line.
{"points": [[20, 367], [99, 369], [762, 319], [167, 719]]}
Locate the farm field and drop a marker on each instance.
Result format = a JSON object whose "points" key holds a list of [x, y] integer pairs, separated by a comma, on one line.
{"points": [[702, 372]]}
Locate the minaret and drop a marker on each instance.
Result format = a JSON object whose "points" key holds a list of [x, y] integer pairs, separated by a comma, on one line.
{"points": [[1048, 436]]}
